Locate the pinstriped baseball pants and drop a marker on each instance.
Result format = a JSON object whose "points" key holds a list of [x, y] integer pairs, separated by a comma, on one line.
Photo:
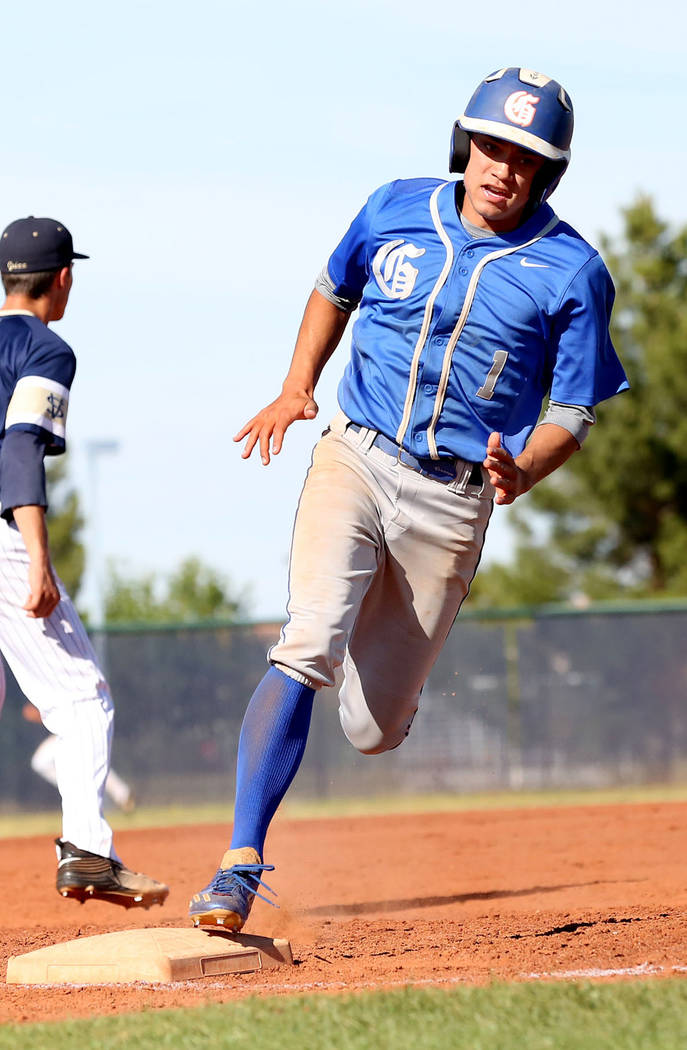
{"points": [[57, 669], [381, 560]]}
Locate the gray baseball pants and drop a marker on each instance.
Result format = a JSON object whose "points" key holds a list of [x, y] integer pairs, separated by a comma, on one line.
{"points": [[381, 560]]}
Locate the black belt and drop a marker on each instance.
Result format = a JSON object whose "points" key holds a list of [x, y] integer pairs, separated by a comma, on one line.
{"points": [[444, 469]]}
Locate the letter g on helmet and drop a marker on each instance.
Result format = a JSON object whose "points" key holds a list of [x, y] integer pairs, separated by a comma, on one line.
{"points": [[524, 107]]}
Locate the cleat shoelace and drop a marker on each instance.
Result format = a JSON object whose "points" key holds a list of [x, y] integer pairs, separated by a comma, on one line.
{"points": [[226, 880]]}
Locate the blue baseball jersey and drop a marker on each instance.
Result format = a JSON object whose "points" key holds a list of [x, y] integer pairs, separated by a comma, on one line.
{"points": [[36, 373], [460, 336]]}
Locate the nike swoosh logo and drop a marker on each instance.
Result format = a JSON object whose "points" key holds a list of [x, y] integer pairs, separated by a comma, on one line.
{"points": [[538, 266]]}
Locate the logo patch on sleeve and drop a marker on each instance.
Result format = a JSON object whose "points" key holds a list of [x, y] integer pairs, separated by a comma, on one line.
{"points": [[41, 402]]}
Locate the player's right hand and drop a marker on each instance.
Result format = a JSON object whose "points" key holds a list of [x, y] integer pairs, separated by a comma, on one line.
{"points": [[44, 595], [270, 425]]}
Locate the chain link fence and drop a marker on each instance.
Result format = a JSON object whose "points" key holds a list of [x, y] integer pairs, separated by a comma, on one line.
{"points": [[543, 700]]}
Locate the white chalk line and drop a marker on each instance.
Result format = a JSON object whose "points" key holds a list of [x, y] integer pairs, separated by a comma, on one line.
{"points": [[200, 984], [644, 969]]}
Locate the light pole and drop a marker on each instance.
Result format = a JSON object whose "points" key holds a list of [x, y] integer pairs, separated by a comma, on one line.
{"points": [[94, 450]]}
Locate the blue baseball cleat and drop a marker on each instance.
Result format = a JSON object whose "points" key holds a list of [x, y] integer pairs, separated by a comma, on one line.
{"points": [[227, 900]]}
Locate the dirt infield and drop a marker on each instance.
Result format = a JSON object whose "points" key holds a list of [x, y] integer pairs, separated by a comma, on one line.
{"points": [[380, 901]]}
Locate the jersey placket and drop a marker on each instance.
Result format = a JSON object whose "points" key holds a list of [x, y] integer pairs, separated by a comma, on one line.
{"points": [[458, 280], [460, 323], [448, 308]]}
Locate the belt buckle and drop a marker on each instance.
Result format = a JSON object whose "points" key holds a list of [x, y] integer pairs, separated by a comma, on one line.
{"points": [[410, 462]]}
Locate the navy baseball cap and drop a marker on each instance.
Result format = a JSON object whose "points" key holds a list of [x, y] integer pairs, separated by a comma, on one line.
{"points": [[30, 245]]}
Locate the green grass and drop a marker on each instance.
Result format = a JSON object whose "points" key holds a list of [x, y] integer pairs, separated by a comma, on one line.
{"points": [[624, 1016], [19, 824]]}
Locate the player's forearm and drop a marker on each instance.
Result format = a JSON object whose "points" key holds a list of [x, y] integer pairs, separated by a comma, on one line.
{"points": [[319, 335], [548, 448], [31, 524]]}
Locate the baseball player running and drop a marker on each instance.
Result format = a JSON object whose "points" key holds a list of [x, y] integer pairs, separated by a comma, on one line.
{"points": [[41, 635], [477, 303]]}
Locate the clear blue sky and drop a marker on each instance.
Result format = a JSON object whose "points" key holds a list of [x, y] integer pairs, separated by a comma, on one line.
{"points": [[208, 156]]}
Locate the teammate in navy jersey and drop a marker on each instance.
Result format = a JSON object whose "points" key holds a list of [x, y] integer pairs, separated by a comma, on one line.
{"points": [[476, 305], [41, 635]]}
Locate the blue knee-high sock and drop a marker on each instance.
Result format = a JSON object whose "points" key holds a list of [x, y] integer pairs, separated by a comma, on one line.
{"points": [[271, 746]]}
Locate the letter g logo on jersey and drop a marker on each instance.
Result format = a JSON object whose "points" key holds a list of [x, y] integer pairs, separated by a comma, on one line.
{"points": [[520, 108], [394, 274]]}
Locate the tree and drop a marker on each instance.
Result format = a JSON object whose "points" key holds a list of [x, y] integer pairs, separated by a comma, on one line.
{"points": [[616, 514], [65, 522], [193, 593], [533, 578]]}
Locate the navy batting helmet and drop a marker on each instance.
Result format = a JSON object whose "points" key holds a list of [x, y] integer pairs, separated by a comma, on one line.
{"points": [[524, 107]]}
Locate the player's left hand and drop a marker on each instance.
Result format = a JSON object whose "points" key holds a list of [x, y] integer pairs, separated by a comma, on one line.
{"points": [[506, 476]]}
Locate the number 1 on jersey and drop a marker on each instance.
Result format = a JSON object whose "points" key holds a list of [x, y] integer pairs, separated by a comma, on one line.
{"points": [[487, 390]]}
